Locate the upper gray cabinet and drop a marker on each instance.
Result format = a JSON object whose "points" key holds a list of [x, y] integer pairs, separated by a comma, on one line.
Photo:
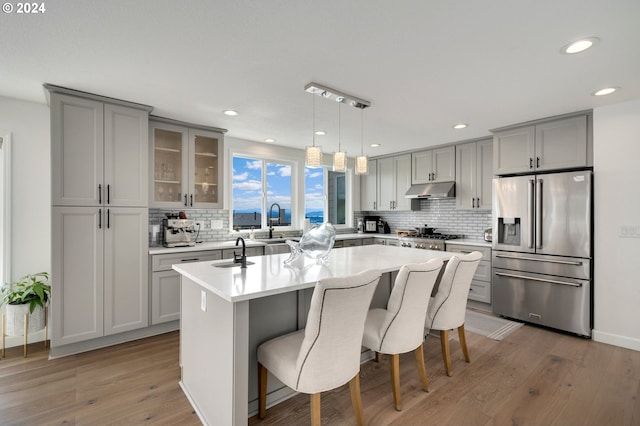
{"points": [[369, 188], [474, 172], [433, 165], [186, 165], [551, 145], [99, 153], [394, 180]]}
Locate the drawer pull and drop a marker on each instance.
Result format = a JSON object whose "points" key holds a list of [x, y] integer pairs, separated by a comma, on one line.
{"points": [[561, 262], [190, 260], [528, 278]]}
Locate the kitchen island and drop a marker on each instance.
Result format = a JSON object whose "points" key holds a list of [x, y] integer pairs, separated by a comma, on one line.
{"points": [[226, 312]]}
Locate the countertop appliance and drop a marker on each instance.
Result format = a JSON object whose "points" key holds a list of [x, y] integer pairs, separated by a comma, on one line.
{"points": [[177, 232], [427, 242], [542, 251], [488, 235], [371, 223], [383, 227]]}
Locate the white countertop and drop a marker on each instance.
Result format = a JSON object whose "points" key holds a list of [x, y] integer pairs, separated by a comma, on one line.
{"points": [[269, 275], [217, 245]]}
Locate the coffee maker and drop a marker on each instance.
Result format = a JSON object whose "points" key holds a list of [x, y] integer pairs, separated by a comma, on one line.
{"points": [[177, 232]]}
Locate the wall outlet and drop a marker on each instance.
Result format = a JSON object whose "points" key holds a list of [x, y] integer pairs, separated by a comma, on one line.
{"points": [[629, 231], [203, 300], [216, 224]]}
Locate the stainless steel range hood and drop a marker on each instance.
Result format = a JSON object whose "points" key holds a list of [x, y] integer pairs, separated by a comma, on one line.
{"points": [[432, 190]]}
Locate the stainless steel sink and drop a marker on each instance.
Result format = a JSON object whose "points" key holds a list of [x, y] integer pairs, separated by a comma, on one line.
{"points": [[231, 264], [276, 240]]}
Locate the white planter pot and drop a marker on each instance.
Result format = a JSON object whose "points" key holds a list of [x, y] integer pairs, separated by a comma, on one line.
{"points": [[14, 319]]}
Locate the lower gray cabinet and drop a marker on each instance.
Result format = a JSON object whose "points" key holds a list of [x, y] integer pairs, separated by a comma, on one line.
{"points": [[165, 282], [481, 284]]}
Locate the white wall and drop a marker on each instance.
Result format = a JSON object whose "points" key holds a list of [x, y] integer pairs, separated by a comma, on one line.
{"points": [[28, 123], [617, 193]]}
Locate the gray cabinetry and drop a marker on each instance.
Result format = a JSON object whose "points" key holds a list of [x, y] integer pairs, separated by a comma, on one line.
{"points": [[552, 145], [481, 284], [100, 220], [99, 153], [394, 180], [100, 268], [474, 172], [186, 165], [434, 165], [369, 188], [165, 282]]}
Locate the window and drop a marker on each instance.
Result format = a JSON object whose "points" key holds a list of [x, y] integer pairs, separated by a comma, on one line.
{"points": [[261, 193], [320, 208], [314, 195]]}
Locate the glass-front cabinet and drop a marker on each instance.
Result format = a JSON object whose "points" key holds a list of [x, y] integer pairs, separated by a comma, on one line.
{"points": [[186, 166]]}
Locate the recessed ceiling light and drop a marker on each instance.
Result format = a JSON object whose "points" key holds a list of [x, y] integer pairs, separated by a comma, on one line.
{"points": [[320, 132], [605, 91], [460, 126], [374, 145], [269, 140], [230, 112], [579, 45]]}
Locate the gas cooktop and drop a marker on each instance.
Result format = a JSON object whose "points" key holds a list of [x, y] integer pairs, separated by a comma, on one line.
{"points": [[434, 236]]}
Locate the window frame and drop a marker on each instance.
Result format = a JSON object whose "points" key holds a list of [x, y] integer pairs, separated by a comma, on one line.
{"points": [[265, 159]]}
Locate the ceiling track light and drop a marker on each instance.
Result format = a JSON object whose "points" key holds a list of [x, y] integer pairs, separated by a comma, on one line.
{"points": [[336, 95]]}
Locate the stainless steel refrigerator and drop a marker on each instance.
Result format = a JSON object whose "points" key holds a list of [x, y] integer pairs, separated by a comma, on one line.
{"points": [[542, 249]]}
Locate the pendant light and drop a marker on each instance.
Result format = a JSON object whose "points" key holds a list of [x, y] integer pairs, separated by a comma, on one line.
{"points": [[313, 153], [339, 157], [362, 163]]}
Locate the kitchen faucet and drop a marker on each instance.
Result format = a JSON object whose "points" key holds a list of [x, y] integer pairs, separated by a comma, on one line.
{"points": [[271, 219], [242, 260]]}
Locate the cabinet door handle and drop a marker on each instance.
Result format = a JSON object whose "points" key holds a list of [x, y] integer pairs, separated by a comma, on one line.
{"points": [[185, 200], [99, 193], [530, 163], [99, 218], [473, 203], [191, 200], [108, 194], [478, 202], [537, 162], [374, 205], [108, 220], [433, 176]]}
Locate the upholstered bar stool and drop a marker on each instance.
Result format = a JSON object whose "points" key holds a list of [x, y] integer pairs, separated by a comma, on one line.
{"points": [[326, 354], [447, 308], [400, 328]]}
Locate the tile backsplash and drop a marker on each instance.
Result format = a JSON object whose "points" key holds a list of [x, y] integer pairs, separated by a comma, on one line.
{"points": [[439, 214]]}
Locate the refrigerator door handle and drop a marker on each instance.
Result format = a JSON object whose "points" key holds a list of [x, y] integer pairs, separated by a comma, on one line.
{"points": [[530, 213], [539, 213], [534, 259], [501, 274]]}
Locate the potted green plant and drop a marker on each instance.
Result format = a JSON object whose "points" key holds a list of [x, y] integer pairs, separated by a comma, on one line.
{"points": [[29, 295]]}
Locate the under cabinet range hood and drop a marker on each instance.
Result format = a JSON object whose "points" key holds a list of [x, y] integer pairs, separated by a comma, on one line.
{"points": [[432, 190]]}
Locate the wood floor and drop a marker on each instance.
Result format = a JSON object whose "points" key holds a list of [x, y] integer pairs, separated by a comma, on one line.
{"points": [[533, 377]]}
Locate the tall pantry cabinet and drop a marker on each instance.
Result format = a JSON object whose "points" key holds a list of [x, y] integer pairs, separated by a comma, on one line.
{"points": [[99, 216]]}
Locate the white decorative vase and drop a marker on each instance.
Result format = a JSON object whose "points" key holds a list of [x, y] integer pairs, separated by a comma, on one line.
{"points": [[14, 319]]}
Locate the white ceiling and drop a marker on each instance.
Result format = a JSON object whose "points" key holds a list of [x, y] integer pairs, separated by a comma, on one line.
{"points": [[423, 64]]}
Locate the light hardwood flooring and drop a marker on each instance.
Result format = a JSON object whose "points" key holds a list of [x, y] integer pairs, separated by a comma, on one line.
{"points": [[533, 377]]}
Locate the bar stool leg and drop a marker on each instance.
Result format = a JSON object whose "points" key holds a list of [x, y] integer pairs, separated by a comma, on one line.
{"points": [[26, 327]]}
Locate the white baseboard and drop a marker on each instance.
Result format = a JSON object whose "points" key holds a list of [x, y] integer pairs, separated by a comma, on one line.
{"points": [[616, 340]]}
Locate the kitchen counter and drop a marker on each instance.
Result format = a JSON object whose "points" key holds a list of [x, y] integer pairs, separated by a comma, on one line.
{"points": [[226, 313], [469, 242], [218, 245]]}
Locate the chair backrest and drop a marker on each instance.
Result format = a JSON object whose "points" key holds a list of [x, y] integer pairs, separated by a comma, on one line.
{"points": [[330, 353], [447, 309], [403, 329]]}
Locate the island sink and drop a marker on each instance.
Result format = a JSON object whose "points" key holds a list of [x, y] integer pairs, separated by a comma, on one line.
{"points": [[231, 264]]}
